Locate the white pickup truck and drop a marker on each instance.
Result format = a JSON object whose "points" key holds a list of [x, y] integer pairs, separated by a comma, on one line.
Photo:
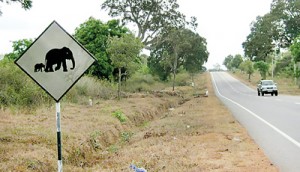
{"points": [[267, 87]]}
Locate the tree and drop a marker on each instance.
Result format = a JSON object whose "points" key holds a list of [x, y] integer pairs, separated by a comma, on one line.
{"points": [[196, 55], [259, 42], [236, 61], [285, 65], [262, 67], [151, 17], [247, 66], [157, 63], [26, 4], [18, 48], [93, 35], [227, 62], [178, 48], [173, 44], [123, 52], [295, 50], [286, 15]]}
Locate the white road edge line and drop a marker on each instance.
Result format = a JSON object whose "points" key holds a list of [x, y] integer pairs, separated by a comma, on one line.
{"points": [[258, 117]]}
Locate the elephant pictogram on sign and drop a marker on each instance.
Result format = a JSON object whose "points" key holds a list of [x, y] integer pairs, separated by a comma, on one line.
{"points": [[58, 57]]}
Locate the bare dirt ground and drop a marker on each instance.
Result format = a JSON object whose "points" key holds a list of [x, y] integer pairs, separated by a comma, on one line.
{"points": [[163, 131]]}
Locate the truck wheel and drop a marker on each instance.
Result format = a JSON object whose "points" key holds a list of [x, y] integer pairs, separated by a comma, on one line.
{"points": [[258, 93], [276, 93], [262, 93], [272, 94]]}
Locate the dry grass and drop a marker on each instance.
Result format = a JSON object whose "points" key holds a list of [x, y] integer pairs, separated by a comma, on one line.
{"points": [[163, 131]]}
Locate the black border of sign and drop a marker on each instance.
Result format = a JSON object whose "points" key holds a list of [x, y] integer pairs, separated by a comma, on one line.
{"points": [[57, 100]]}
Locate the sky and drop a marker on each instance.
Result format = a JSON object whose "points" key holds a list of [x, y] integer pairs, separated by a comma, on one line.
{"points": [[225, 24]]}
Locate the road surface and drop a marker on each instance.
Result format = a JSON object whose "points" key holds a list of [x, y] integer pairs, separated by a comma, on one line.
{"points": [[272, 121]]}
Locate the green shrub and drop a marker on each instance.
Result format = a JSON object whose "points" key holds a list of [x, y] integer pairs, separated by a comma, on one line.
{"points": [[91, 87], [125, 136], [182, 79], [143, 82], [120, 116], [19, 90]]}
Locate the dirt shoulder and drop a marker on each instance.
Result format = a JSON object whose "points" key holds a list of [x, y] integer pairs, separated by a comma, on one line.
{"points": [[199, 135], [162, 131]]}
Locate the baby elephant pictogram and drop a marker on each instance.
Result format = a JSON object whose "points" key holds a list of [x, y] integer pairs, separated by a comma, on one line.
{"points": [[58, 57], [39, 67]]}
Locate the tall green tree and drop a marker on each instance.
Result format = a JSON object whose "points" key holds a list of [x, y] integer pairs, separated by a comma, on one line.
{"points": [[178, 48], [172, 46], [124, 52], [285, 65], [259, 42], [295, 50], [236, 61], [262, 67], [157, 63], [286, 15], [151, 17], [19, 47], [196, 55], [227, 62], [93, 35], [26, 4]]}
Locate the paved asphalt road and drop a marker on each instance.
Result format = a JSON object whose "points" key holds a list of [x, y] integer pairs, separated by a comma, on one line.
{"points": [[272, 121]]}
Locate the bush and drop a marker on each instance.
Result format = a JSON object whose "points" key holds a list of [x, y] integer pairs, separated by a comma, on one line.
{"points": [[182, 79], [120, 116], [19, 90], [91, 87], [143, 82]]}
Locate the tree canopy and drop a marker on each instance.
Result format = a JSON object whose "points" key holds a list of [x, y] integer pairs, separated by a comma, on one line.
{"points": [[178, 48], [295, 49], [262, 67], [151, 17], [19, 47], [276, 29], [123, 52], [286, 17], [93, 35], [259, 42], [233, 62]]}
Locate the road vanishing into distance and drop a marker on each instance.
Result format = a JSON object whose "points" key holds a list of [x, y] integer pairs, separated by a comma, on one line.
{"points": [[272, 121]]}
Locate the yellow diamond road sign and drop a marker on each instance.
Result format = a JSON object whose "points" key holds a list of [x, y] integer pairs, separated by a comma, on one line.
{"points": [[55, 61]]}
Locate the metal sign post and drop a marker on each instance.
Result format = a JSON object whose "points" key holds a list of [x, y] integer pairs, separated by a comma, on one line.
{"points": [[55, 61], [59, 162]]}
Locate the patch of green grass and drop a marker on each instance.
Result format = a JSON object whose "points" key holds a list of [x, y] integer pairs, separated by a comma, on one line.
{"points": [[125, 136], [120, 116], [113, 148]]}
